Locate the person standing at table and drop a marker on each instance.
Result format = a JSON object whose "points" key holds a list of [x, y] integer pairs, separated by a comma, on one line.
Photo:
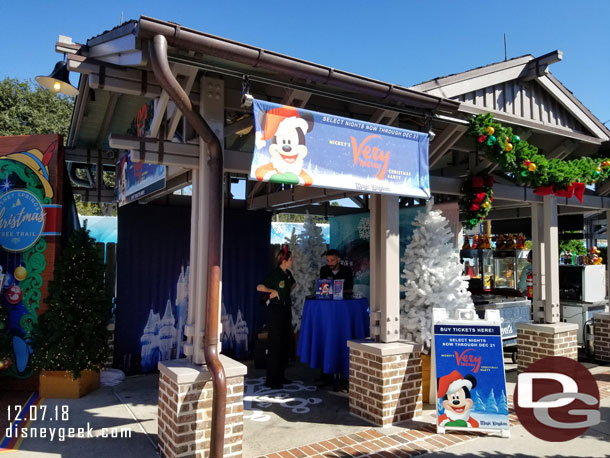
{"points": [[336, 271], [278, 285]]}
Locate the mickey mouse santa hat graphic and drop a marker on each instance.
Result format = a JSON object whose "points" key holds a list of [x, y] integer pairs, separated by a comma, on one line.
{"points": [[286, 127], [454, 390]]}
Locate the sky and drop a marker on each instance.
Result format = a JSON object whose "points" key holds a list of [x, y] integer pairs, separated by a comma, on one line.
{"points": [[399, 42]]}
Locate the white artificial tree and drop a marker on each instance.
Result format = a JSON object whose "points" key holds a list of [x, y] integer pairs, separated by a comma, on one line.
{"points": [[307, 251], [434, 277], [299, 292]]}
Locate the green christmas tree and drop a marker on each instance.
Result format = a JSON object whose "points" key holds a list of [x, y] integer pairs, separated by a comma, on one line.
{"points": [[72, 334]]}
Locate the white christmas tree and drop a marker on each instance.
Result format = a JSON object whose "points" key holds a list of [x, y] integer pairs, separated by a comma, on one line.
{"points": [[433, 275], [491, 406], [478, 402], [300, 291], [502, 403], [307, 250]]}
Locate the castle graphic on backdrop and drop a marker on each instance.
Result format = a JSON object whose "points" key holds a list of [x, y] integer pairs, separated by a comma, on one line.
{"points": [[163, 337]]}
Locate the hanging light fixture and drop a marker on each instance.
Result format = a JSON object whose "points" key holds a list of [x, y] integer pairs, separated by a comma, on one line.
{"points": [[58, 81]]}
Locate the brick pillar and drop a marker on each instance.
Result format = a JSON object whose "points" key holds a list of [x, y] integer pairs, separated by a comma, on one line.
{"points": [[385, 384], [185, 408], [601, 336], [536, 341]]}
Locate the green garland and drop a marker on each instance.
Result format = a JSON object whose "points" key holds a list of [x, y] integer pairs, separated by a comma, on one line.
{"points": [[522, 160], [518, 157], [475, 203]]}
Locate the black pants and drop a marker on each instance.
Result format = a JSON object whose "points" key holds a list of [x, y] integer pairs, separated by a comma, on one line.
{"points": [[279, 324]]}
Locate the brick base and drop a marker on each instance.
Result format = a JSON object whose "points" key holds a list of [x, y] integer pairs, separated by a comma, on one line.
{"points": [[185, 409], [385, 381], [601, 336], [537, 341]]}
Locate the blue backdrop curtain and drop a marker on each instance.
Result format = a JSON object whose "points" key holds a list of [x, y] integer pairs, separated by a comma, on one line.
{"points": [[152, 289], [152, 252], [244, 265]]}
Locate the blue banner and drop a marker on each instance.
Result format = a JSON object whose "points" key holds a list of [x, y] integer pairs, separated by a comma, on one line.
{"points": [[471, 384], [138, 179], [308, 148]]}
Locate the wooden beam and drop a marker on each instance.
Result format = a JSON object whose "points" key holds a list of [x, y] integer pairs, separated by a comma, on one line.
{"points": [[604, 188], [358, 201], [296, 98], [178, 154], [384, 117], [540, 65], [455, 171], [89, 156], [108, 115], [172, 185], [297, 195], [191, 75], [238, 126], [563, 150], [95, 195], [444, 141]]}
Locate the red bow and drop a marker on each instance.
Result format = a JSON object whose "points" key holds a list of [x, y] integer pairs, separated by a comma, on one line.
{"points": [[576, 189]]}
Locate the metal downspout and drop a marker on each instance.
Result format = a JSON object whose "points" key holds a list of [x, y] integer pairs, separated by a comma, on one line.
{"points": [[160, 65]]}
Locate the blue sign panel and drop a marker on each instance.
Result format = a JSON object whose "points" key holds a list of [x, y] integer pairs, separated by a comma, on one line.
{"points": [[21, 220], [308, 148], [138, 179], [471, 384]]}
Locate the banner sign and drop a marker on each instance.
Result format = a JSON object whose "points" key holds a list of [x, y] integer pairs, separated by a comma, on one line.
{"points": [[308, 148], [471, 384], [137, 179], [21, 220]]}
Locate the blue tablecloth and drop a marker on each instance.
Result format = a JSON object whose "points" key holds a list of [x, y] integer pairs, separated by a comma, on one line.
{"points": [[326, 326]]}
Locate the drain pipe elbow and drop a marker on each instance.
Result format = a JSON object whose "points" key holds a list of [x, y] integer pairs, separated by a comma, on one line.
{"points": [[163, 74]]}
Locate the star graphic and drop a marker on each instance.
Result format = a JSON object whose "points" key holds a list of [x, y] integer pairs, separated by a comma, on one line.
{"points": [[6, 185]]}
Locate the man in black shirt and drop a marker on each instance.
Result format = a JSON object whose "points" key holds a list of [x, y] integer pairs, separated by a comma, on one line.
{"points": [[336, 271]]}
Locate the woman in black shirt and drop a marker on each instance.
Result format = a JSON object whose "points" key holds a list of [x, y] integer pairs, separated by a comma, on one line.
{"points": [[278, 284]]}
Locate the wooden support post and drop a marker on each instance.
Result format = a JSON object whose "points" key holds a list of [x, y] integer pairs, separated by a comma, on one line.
{"points": [[551, 260], [538, 264], [607, 261], [385, 265]]}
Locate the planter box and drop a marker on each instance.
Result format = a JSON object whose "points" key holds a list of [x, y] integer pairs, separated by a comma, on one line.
{"points": [[60, 384]]}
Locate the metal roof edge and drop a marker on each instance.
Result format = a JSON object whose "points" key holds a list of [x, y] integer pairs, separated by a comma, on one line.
{"points": [[253, 56], [472, 73]]}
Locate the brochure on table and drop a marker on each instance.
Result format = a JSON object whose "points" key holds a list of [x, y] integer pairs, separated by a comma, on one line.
{"points": [[468, 365]]}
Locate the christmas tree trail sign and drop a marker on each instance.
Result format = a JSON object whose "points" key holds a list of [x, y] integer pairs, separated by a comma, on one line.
{"points": [[30, 228], [471, 383]]}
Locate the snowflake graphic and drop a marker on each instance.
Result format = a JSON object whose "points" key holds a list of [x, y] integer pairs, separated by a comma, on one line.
{"points": [[6, 185], [364, 228]]}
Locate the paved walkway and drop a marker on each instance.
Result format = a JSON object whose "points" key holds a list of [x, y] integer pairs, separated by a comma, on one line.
{"points": [[299, 422], [420, 438]]}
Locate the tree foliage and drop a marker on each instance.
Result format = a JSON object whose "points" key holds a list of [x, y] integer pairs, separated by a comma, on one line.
{"points": [[575, 246], [28, 109], [72, 334]]}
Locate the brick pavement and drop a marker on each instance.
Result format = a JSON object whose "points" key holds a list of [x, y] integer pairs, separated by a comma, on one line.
{"points": [[410, 442]]}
